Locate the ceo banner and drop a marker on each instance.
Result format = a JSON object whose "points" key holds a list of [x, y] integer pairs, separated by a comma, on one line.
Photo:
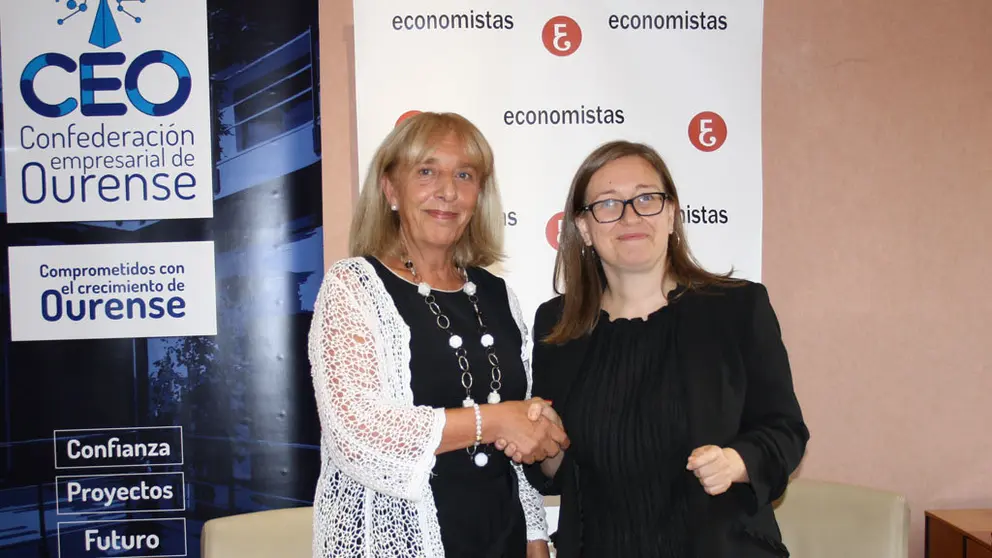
{"points": [[102, 291], [547, 82], [106, 110]]}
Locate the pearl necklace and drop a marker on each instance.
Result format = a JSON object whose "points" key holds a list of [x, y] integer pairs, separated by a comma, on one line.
{"points": [[456, 342]]}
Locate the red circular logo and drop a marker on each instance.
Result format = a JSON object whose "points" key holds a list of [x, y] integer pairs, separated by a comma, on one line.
{"points": [[561, 35], [707, 131], [406, 115], [553, 229]]}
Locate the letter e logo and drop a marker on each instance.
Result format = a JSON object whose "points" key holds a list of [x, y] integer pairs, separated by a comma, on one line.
{"points": [[561, 35], [406, 115], [707, 131], [553, 229]]}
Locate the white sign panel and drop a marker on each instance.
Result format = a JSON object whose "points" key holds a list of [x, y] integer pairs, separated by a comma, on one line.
{"points": [[547, 82], [106, 110], [103, 291]]}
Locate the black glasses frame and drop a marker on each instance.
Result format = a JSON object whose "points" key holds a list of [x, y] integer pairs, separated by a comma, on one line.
{"points": [[591, 207]]}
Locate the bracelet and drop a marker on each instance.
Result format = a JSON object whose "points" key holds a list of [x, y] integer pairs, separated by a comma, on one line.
{"points": [[478, 424], [479, 458]]}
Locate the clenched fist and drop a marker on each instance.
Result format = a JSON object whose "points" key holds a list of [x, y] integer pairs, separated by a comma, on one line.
{"points": [[717, 468]]}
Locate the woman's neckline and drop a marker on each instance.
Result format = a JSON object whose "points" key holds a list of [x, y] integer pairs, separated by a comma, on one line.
{"points": [[636, 319], [654, 313], [411, 283]]}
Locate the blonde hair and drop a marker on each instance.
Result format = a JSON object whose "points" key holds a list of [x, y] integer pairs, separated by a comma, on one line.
{"points": [[578, 274], [375, 228]]}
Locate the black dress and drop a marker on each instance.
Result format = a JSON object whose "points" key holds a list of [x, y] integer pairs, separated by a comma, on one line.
{"points": [[478, 508], [626, 419], [725, 346]]}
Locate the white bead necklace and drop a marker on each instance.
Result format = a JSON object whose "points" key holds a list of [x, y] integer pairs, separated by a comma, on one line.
{"points": [[456, 342]]}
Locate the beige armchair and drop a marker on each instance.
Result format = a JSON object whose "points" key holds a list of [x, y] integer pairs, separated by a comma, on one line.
{"points": [[285, 533], [818, 520], [830, 520]]}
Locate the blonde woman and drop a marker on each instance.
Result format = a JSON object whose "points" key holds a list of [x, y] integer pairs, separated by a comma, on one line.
{"points": [[420, 362]]}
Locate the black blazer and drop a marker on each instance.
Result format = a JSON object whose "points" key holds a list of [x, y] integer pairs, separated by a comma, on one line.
{"points": [[740, 395]]}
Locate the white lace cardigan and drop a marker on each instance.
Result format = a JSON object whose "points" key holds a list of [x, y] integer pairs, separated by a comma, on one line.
{"points": [[373, 498]]}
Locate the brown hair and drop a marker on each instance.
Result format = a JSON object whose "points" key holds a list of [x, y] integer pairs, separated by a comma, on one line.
{"points": [[375, 228], [578, 275]]}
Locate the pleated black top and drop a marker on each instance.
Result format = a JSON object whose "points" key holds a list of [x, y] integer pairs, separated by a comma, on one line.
{"points": [[628, 426]]}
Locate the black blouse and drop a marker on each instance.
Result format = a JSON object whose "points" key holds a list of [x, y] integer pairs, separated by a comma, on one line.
{"points": [[737, 391], [478, 508], [627, 422]]}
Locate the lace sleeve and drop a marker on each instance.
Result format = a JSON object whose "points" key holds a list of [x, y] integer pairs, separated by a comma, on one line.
{"points": [[530, 499], [533, 505], [378, 440]]}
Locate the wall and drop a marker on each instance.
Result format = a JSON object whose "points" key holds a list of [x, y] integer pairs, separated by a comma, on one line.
{"points": [[337, 133], [878, 189]]}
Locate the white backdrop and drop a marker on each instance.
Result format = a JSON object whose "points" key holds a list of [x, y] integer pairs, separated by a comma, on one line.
{"points": [[452, 55], [641, 70]]}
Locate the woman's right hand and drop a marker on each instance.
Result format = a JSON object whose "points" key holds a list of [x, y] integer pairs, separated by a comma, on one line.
{"points": [[538, 410], [533, 439]]}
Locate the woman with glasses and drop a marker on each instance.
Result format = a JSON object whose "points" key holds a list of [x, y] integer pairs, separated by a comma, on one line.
{"points": [[672, 382]]}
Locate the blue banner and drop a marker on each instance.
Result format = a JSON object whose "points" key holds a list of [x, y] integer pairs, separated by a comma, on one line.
{"points": [[163, 248]]}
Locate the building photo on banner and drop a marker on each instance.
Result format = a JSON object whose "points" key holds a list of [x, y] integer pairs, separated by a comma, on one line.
{"points": [[163, 248], [547, 83]]}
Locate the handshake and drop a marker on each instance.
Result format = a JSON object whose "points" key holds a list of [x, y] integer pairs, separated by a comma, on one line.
{"points": [[529, 431]]}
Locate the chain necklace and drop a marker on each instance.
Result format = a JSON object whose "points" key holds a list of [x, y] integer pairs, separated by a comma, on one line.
{"points": [[457, 344]]}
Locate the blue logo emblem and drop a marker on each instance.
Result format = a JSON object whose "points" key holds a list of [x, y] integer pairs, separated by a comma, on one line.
{"points": [[105, 32]]}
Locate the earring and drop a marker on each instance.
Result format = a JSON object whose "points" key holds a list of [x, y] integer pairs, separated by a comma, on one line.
{"points": [[394, 207]]}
